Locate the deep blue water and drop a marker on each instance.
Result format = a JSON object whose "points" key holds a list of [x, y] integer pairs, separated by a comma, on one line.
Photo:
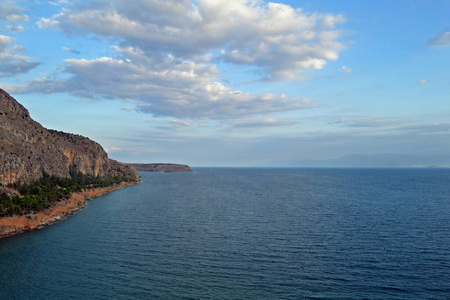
{"points": [[246, 234]]}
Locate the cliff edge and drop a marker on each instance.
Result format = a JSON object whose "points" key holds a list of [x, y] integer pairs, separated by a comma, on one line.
{"points": [[28, 150]]}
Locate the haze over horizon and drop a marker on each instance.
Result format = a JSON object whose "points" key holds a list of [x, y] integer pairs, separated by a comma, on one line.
{"points": [[234, 83]]}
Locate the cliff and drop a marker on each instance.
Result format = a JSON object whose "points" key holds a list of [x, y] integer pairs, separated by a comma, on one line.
{"points": [[28, 150], [162, 167]]}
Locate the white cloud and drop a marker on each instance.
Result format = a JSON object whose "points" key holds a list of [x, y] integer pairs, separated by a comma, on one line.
{"points": [[70, 50], [5, 41], [12, 13], [345, 69], [11, 61], [7, 8], [423, 81], [440, 41], [17, 18], [168, 53], [46, 23], [168, 87], [15, 28], [58, 3], [280, 40], [112, 149], [18, 48]]}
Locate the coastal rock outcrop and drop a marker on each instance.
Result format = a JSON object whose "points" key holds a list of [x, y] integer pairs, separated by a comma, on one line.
{"points": [[28, 150]]}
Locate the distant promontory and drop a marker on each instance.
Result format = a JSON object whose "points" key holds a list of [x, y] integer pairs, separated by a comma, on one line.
{"points": [[158, 167]]}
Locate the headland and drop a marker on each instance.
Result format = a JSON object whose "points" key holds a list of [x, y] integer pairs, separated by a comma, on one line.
{"points": [[46, 174], [159, 167]]}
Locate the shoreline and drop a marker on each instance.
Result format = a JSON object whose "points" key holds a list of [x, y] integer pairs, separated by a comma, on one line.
{"points": [[77, 201]]}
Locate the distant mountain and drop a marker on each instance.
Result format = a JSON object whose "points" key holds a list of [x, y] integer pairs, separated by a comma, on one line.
{"points": [[384, 160]]}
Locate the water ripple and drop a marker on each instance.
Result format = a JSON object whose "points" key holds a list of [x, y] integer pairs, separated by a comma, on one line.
{"points": [[245, 234]]}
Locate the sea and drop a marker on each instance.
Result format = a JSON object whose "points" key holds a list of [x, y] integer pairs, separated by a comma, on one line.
{"points": [[245, 233]]}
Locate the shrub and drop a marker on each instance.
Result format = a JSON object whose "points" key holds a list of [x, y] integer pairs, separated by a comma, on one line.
{"points": [[48, 190]]}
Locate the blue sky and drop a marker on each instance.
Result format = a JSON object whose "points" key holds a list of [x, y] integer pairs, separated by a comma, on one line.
{"points": [[234, 83]]}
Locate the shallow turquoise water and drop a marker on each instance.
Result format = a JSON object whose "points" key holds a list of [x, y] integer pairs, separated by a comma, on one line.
{"points": [[246, 234]]}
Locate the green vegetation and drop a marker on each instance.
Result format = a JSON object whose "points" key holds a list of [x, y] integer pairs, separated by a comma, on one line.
{"points": [[45, 192]]}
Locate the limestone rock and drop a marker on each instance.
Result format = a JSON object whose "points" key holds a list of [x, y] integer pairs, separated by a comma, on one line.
{"points": [[28, 150]]}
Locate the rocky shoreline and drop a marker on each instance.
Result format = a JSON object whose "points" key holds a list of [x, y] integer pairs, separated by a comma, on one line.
{"points": [[18, 224]]}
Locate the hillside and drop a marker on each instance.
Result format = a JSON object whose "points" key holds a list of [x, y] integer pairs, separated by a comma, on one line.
{"points": [[28, 151]]}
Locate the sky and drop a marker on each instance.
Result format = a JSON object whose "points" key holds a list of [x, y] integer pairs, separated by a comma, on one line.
{"points": [[234, 82]]}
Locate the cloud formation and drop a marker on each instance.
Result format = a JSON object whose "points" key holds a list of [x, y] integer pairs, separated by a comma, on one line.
{"points": [[11, 12], [423, 81], [440, 41], [168, 87], [280, 40], [168, 53], [13, 15], [71, 50], [46, 23], [12, 62], [345, 69], [15, 28]]}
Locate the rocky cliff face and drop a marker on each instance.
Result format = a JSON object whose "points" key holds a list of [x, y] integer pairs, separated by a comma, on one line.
{"points": [[28, 150]]}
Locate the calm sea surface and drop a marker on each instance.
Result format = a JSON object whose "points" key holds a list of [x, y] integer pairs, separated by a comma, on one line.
{"points": [[246, 234]]}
